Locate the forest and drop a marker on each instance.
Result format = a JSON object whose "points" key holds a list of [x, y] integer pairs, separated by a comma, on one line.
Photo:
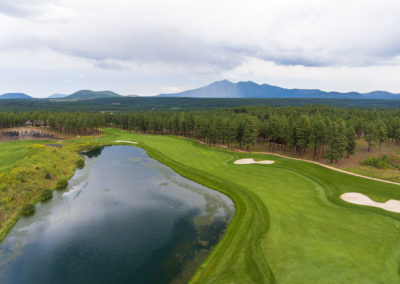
{"points": [[330, 132], [174, 104]]}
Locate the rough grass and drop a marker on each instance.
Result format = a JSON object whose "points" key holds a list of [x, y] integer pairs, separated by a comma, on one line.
{"points": [[354, 163], [28, 168], [290, 225]]}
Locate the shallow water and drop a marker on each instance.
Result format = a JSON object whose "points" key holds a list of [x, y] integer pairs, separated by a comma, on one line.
{"points": [[124, 218]]}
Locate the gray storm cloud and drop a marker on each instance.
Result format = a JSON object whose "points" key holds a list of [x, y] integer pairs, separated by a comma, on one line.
{"points": [[200, 37], [99, 31]]}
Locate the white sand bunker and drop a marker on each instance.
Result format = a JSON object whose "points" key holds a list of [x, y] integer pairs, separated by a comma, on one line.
{"points": [[251, 161], [361, 199], [121, 141]]}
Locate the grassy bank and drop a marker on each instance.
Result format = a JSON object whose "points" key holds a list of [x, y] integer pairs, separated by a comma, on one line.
{"points": [[28, 169], [289, 226]]}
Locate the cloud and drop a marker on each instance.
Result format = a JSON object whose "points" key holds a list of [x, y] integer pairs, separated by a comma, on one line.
{"points": [[219, 34], [198, 39], [37, 10]]}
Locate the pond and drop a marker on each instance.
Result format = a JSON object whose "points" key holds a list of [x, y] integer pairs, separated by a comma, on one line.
{"points": [[123, 218]]}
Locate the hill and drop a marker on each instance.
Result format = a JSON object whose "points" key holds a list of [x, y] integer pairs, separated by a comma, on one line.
{"points": [[57, 96], [227, 89], [88, 94], [15, 96]]}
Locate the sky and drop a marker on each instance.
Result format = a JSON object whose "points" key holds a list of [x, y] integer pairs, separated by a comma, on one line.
{"points": [[152, 47]]}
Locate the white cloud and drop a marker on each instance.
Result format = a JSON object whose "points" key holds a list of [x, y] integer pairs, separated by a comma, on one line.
{"points": [[186, 43], [328, 78]]}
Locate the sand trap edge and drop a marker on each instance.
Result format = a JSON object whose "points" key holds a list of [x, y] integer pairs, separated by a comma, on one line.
{"points": [[131, 142], [251, 161], [391, 205]]}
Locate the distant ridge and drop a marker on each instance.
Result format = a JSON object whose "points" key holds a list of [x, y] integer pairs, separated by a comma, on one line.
{"points": [[227, 89], [88, 94], [57, 96], [15, 96]]}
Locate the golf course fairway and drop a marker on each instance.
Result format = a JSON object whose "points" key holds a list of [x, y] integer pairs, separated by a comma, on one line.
{"points": [[290, 225]]}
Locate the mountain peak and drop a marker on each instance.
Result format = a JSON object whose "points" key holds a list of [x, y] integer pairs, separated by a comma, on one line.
{"points": [[222, 82], [249, 89]]}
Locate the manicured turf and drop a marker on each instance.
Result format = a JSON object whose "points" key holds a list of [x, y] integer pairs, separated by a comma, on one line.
{"points": [[289, 225]]}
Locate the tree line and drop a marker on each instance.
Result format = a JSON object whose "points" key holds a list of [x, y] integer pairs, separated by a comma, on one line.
{"points": [[328, 132]]}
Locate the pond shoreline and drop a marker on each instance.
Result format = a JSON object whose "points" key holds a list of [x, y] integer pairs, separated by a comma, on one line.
{"points": [[196, 259]]}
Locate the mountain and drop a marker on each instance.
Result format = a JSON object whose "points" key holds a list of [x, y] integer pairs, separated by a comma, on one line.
{"points": [[88, 94], [57, 96], [227, 89], [382, 95], [15, 96]]}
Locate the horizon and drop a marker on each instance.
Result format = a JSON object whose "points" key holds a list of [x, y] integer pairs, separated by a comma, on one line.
{"points": [[152, 95]]}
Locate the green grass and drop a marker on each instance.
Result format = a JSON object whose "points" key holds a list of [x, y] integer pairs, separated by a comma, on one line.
{"points": [[13, 151], [289, 225]]}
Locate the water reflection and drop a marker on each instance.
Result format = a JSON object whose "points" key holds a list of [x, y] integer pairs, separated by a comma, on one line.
{"points": [[123, 218]]}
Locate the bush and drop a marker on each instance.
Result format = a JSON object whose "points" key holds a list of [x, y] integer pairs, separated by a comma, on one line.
{"points": [[80, 163], [21, 178], [62, 182], [47, 176], [28, 209], [380, 163], [46, 195]]}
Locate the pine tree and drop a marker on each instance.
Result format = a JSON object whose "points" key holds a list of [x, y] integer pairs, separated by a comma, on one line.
{"points": [[371, 134], [303, 134], [381, 133], [250, 132], [337, 140], [351, 141]]}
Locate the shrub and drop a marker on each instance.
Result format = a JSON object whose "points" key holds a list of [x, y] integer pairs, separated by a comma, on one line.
{"points": [[21, 178], [46, 195], [380, 163], [62, 182], [80, 163], [28, 209], [48, 176]]}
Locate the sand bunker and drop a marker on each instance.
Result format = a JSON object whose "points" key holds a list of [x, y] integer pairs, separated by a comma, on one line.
{"points": [[361, 199], [251, 161], [121, 141]]}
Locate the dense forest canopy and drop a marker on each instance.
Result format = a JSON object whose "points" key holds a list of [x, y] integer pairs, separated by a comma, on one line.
{"points": [[174, 104], [330, 132]]}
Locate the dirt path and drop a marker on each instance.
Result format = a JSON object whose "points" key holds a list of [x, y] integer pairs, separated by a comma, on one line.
{"points": [[308, 161], [329, 167]]}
